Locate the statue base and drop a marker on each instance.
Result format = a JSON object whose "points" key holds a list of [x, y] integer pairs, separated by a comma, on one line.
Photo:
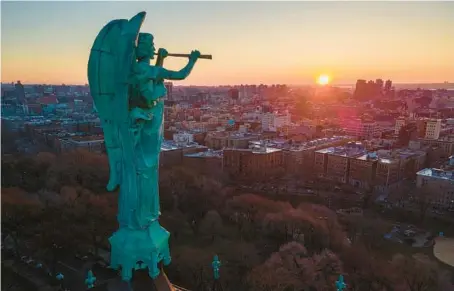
{"points": [[136, 249], [140, 282]]}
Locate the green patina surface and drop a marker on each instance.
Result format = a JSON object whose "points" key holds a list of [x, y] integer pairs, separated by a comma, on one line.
{"points": [[127, 91]]}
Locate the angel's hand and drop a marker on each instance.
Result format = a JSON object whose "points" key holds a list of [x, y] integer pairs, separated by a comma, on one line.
{"points": [[162, 53]]}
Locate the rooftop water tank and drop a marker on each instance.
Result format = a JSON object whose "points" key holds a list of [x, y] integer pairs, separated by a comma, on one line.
{"points": [[451, 160]]}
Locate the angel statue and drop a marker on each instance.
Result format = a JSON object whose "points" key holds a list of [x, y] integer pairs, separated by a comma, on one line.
{"points": [[128, 93]]}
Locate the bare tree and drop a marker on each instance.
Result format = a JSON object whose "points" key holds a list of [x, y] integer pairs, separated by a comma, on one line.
{"points": [[291, 268], [418, 273]]}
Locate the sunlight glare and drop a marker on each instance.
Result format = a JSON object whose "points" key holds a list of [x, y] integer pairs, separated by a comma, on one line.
{"points": [[323, 80]]}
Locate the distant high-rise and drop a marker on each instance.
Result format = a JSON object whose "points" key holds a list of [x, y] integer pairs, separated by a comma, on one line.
{"points": [[169, 88], [368, 90], [360, 89], [234, 94], [388, 85], [379, 83], [19, 91]]}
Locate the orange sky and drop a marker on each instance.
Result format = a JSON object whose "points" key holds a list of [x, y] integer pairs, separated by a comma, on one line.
{"points": [[251, 42]]}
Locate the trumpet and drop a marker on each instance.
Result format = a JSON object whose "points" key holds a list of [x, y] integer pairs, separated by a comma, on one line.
{"points": [[206, 57]]}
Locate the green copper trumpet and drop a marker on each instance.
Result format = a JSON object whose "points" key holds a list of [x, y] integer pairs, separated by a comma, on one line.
{"points": [[206, 57]]}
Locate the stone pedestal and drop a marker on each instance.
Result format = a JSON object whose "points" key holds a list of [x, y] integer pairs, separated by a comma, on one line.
{"points": [[140, 249], [140, 282]]}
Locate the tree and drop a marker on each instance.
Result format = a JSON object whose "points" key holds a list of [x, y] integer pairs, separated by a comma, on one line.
{"points": [[368, 231], [192, 266], [326, 231], [366, 270], [58, 234], [281, 270], [10, 176], [291, 268], [69, 194], [248, 209], [419, 273], [194, 204], [211, 224], [19, 214], [286, 226], [238, 258], [176, 223], [23, 172], [98, 217], [9, 140], [45, 159], [79, 168]]}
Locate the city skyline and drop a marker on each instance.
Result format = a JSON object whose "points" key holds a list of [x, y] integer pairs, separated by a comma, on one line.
{"points": [[251, 42]]}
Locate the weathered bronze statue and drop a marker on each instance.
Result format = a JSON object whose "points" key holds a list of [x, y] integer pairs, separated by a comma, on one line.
{"points": [[128, 93]]}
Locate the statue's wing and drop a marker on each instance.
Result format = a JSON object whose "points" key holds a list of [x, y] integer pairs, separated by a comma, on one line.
{"points": [[109, 67]]}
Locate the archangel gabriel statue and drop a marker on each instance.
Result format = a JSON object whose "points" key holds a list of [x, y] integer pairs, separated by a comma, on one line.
{"points": [[127, 92]]}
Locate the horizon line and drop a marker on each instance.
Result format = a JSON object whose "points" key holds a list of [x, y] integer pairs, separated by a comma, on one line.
{"points": [[247, 84]]}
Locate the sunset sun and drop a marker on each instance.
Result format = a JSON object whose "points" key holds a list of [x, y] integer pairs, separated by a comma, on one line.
{"points": [[323, 80]]}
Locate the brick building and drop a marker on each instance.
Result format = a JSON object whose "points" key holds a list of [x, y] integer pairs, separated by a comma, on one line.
{"points": [[207, 163], [438, 185], [362, 171], [249, 164], [334, 163]]}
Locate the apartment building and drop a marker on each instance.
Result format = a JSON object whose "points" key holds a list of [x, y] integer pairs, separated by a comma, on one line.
{"points": [[439, 184], [425, 127], [362, 171], [334, 163], [397, 165], [172, 153], [400, 122], [273, 121], [433, 128], [446, 146], [362, 129], [321, 162], [387, 174], [91, 143], [251, 164], [206, 163], [337, 166], [411, 161], [299, 158], [227, 139]]}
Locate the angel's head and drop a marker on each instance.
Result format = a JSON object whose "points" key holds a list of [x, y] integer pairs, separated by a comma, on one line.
{"points": [[145, 46]]}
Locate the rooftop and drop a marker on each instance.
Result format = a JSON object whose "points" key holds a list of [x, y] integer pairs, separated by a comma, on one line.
{"points": [[368, 157], [387, 160], [388, 157], [322, 141], [350, 150], [206, 154], [437, 173], [169, 145], [284, 144], [87, 138], [265, 150], [262, 150]]}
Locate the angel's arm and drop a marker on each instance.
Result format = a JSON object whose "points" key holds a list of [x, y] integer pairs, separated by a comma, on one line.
{"points": [[182, 74]]}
